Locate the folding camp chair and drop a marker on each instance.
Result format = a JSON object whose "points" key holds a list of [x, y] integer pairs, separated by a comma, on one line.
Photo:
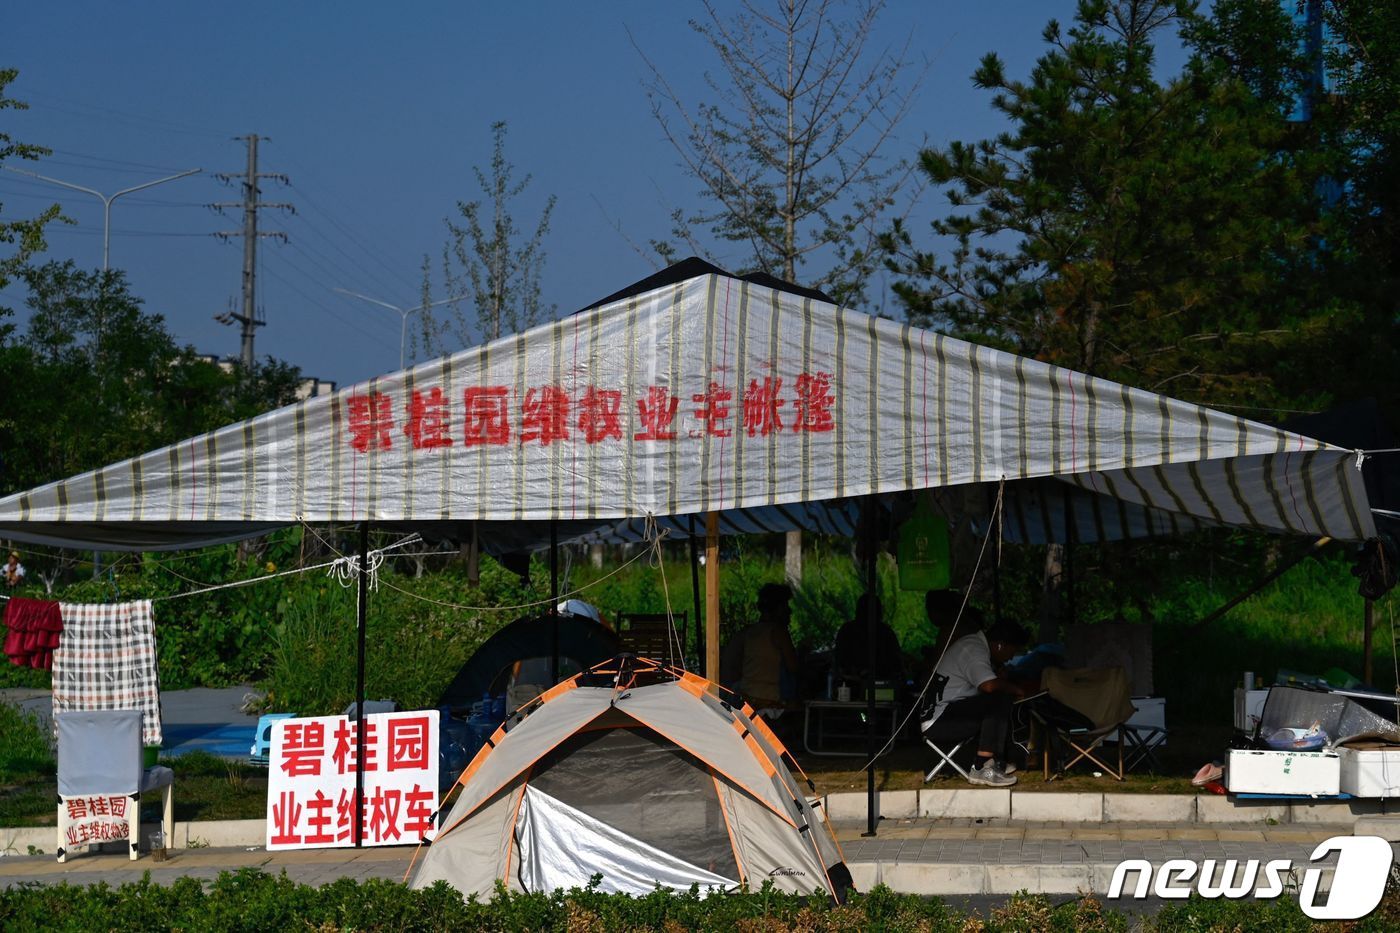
{"points": [[649, 634], [1087, 708], [101, 780], [945, 743]]}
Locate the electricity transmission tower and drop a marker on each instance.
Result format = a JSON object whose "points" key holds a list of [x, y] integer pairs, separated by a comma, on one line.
{"points": [[251, 204]]}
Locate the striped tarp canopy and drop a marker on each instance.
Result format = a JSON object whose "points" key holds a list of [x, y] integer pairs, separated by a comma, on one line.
{"points": [[710, 393]]}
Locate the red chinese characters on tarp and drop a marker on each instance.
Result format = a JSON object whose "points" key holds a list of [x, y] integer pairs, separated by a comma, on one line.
{"points": [[656, 411], [545, 415], [599, 411], [488, 416], [496, 415], [316, 804], [713, 409], [371, 421], [812, 409], [429, 420], [761, 404]]}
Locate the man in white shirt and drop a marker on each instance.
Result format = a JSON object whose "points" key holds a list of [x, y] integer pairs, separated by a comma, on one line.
{"points": [[974, 700], [13, 571]]}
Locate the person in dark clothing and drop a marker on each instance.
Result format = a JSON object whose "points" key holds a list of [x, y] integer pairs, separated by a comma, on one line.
{"points": [[852, 641], [975, 700]]}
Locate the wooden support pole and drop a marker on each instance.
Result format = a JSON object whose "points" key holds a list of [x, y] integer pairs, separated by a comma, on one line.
{"points": [[553, 602], [712, 597], [695, 614]]}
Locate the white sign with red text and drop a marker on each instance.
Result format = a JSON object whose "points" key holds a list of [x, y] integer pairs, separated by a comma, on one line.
{"points": [[311, 780]]}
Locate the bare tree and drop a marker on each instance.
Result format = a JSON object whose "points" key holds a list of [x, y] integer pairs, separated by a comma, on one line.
{"points": [[789, 153], [489, 259]]}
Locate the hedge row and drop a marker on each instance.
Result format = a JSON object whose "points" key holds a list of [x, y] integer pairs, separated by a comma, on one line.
{"points": [[253, 900]]}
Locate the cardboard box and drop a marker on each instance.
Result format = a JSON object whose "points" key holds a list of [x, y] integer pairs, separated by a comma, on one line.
{"points": [[1370, 770], [1249, 706], [1271, 772]]}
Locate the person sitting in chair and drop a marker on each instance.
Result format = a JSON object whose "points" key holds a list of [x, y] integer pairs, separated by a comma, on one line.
{"points": [[974, 700], [761, 659]]}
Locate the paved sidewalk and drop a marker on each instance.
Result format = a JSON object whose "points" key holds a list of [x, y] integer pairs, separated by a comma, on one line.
{"points": [[944, 857]]}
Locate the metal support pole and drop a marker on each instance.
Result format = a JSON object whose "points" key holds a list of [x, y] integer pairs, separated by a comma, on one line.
{"points": [[694, 588], [712, 597], [871, 620], [996, 564], [553, 602], [1071, 536], [360, 617]]}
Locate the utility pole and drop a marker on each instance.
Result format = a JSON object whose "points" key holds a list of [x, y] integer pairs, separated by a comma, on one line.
{"points": [[251, 204]]}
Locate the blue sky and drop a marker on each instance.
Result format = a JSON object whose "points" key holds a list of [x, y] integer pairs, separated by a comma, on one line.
{"points": [[378, 112]]}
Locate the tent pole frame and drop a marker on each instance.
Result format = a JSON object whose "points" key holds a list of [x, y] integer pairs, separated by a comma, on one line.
{"points": [[360, 626]]}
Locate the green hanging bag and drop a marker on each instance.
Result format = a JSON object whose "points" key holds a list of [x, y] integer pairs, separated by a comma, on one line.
{"points": [[923, 549]]}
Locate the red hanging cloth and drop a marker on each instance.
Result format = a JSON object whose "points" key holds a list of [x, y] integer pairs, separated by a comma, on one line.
{"points": [[35, 626]]}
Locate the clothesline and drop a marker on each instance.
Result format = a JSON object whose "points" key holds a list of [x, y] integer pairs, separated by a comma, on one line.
{"points": [[345, 569]]}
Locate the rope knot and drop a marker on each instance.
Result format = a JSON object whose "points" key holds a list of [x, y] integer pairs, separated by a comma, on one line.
{"points": [[346, 570]]}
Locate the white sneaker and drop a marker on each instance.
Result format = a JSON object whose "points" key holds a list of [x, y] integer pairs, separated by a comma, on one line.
{"points": [[989, 775]]}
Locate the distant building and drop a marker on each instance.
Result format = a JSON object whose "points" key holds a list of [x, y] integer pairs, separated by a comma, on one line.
{"points": [[309, 387]]}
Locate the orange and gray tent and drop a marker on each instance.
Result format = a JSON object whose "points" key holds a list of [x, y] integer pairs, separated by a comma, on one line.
{"points": [[635, 772], [694, 392]]}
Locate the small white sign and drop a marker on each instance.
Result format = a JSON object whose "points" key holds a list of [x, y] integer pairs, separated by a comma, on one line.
{"points": [[311, 781]]}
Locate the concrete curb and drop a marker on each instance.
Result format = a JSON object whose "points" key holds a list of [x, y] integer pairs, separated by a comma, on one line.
{"points": [[942, 879], [1079, 807], [200, 834]]}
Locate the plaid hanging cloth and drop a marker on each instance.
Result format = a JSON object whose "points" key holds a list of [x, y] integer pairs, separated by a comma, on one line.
{"points": [[107, 660], [35, 627]]}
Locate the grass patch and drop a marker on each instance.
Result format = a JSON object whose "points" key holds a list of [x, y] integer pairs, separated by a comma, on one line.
{"points": [[27, 750], [207, 787]]}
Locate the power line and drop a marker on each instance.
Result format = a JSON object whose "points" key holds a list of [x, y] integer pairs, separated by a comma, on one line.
{"points": [[355, 264], [84, 109], [141, 165], [349, 235], [377, 320], [312, 301]]}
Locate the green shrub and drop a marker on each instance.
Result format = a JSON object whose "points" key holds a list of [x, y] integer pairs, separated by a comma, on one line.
{"points": [[27, 748], [252, 900], [415, 640]]}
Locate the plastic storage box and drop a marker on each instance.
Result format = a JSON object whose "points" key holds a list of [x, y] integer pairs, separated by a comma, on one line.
{"points": [[1370, 770], [1249, 771]]}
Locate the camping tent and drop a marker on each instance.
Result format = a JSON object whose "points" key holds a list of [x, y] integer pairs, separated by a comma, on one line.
{"points": [[633, 771], [704, 393]]}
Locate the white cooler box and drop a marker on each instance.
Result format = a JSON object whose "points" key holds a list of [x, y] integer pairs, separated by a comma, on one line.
{"points": [[1370, 770], [1269, 772]]}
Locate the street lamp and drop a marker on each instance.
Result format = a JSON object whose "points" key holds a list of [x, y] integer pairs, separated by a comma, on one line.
{"points": [[106, 199], [403, 312]]}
